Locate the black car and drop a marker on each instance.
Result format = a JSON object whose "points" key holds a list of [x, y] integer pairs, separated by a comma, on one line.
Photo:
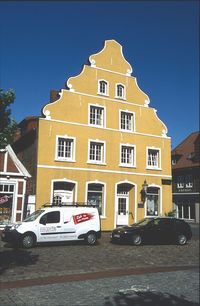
{"points": [[154, 230]]}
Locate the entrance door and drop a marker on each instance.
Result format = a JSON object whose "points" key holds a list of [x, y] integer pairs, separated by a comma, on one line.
{"points": [[122, 213]]}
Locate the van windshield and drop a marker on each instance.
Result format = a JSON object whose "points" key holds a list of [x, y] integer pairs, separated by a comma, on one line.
{"points": [[33, 216]]}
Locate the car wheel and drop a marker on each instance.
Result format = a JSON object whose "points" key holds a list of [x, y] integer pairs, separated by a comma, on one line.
{"points": [[137, 240], [28, 241], [182, 239], [91, 238]]}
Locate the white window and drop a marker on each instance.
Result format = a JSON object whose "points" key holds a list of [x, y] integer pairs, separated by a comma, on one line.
{"points": [[65, 149], [103, 87], [127, 157], [180, 181], [120, 91], [96, 152], [153, 158], [126, 121], [96, 115]]}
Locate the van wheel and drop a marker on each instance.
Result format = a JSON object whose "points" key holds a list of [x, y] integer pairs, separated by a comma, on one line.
{"points": [[91, 238], [181, 239], [136, 239], [28, 241]]}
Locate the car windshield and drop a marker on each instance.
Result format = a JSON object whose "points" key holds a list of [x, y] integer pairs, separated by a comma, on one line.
{"points": [[142, 222], [33, 216]]}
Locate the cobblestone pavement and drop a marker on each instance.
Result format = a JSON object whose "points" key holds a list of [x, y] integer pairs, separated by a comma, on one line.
{"points": [[107, 274], [78, 258], [158, 289]]}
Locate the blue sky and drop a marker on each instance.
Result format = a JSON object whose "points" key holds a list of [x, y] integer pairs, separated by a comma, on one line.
{"points": [[43, 43]]}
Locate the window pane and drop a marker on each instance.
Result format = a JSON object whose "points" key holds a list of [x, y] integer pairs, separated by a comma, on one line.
{"points": [[153, 158], [65, 147]]}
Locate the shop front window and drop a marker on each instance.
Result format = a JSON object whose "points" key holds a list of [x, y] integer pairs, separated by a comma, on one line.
{"points": [[6, 203], [152, 201], [95, 196]]}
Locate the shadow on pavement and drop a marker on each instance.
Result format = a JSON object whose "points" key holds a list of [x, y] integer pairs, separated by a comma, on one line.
{"points": [[147, 298], [16, 257]]}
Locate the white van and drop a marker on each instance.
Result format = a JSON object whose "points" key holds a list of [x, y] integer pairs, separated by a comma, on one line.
{"points": [[54, 224]]}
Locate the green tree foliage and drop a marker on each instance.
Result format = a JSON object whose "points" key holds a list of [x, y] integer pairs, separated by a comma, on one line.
{"points": [[8, 126]]}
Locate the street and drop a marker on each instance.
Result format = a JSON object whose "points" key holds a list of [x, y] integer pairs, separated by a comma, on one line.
{"points": [[105, 274]]}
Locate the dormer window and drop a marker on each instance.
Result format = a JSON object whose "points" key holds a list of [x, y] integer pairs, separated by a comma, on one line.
{"points": [[103, 87], [120, 91]]}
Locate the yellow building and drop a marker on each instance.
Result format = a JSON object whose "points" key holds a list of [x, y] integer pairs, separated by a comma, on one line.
{"points": [[101, 143]]}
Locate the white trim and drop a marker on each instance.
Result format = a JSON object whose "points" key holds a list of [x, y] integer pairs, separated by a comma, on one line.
{"points": [[185, 193], [109, 129], [17, 162], [104, 115], [127, 145], [105, 171], [103, 152], [159, 167], [66, 181], [104, 195], [73, 149]]}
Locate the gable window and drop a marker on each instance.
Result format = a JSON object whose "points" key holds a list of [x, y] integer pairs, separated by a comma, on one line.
{"points": [[103, 87], [65, 149], [126, 121], [120, 91], [96, 152], [127, 156], [153, 158], [96, 115]]}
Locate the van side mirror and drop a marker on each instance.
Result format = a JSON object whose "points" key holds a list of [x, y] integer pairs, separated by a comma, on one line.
{"points": [[43, 221]]}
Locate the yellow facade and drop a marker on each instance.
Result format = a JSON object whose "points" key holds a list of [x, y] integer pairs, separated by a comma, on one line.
{"points": [[100, 141]]}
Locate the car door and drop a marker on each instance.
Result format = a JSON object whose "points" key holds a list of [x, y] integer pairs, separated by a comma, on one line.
{"points": [[160, 231], [49, 227], [68, 228]]}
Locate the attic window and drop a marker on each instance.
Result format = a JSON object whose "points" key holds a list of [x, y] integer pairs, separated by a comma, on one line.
{"points": [[103, 88]]}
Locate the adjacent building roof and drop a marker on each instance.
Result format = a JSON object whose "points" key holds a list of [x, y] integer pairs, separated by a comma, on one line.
{"points": [[187, 153]]}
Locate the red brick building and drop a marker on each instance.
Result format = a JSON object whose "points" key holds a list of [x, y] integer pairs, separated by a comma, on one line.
{"points": [[186, 178]]}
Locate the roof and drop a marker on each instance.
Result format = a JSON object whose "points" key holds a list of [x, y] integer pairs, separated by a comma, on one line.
{"points": [[187, 153]]}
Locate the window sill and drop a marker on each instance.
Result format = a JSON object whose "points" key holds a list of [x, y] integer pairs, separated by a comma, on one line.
{"points": [[102, 94], [66, 160], [152, 168], [96, 126], [120, 98], [127, 166], [96, 163], [126, 131]]}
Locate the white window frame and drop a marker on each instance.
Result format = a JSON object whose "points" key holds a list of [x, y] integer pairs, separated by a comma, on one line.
{"points": [[123, 96], [132, 121], [72, 149], [153, 167], [133, 147], [106, 93], [103, 152], [97, 106]]}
